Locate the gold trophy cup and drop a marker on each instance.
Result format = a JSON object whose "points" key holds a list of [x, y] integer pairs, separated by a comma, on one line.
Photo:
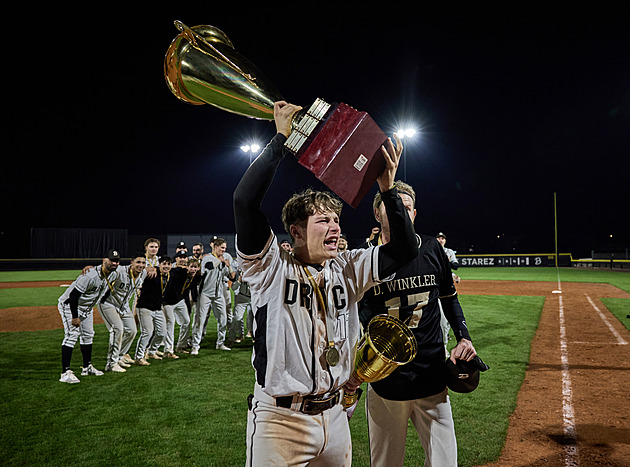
{"points": [[386, 344], [338, 144]]}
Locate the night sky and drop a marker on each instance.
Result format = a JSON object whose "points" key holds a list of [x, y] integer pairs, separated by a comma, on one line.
{"points": [[510, 107]]}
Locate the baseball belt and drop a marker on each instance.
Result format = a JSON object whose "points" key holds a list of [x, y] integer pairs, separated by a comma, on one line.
{"points": [[310, 405]]}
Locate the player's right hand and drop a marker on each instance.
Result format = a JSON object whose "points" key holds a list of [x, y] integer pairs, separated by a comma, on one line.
{"points": [[76, 322], [283, 114]]}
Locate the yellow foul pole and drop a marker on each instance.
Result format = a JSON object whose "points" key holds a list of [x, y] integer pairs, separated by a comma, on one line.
{"points": [[555, 219]]}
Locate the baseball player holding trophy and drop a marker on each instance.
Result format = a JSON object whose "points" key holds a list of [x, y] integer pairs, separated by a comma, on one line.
{"points": [[306, 324], [305, 310]]}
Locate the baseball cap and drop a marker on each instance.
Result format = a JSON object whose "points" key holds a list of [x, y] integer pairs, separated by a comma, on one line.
{"points": [[440, 234], [181, 245], [464, 376], [180, 254], [113, 255]]}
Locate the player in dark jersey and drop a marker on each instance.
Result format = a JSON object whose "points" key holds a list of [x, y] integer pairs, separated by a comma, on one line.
{"points": [[416, 391]]}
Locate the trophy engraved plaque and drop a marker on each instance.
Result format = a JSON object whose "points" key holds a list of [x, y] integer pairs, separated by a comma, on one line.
{"points": [[338, 144]]}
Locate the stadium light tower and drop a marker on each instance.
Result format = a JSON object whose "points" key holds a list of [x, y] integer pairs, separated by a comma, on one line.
{"points": [[405, 133]]}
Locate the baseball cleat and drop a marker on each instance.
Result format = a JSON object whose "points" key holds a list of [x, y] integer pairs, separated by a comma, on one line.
{"points": [[122, 363], [223, 347], [116, 368], [68, 377], [142, 362], [170, 355], [90, 370], [154, 356], [127, 359], [195, 351]]}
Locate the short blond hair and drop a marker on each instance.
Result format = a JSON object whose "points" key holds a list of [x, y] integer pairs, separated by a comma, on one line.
{"points": [[307, 203], [151, 240], [402, 187]]}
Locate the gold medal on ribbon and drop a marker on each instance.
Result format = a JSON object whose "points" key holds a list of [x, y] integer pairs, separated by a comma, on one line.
{"points": [[332, 355]]}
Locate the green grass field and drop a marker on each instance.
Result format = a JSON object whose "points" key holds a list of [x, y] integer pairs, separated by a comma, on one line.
{"points": [[193, 411]]}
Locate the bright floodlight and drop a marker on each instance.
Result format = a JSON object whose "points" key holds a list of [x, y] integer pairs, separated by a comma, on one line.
{"points": [[254, 148], [406, 132]]}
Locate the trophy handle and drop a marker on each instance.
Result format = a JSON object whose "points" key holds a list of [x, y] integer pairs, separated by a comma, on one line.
{"points": [[195, 38], [201, 66]]}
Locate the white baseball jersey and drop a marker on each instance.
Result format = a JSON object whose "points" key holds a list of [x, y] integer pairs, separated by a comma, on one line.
{"points": [[125, 288], [214, 272], [92, 286], [450, 254], [290, 334], [155, 261]]}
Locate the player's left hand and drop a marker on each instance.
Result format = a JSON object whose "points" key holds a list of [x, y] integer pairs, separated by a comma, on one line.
{"points": [[391, 154], [464, 350]]}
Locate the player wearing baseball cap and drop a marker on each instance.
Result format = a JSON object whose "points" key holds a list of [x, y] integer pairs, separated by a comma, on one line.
{"points": [[76, 306], [117, 314], [452, 259], [305, 309]]}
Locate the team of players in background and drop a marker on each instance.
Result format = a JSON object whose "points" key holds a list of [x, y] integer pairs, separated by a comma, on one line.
{"points": [[153, 294]]}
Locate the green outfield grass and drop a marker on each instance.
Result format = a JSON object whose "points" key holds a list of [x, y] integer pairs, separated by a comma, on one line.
{"points": [[620, 307], [17, 276], [193, 411]]}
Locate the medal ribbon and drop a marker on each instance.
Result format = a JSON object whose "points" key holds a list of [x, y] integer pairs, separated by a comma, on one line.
{"points": [[187, 283], [322, 306], [162, 284], [111, 288]]}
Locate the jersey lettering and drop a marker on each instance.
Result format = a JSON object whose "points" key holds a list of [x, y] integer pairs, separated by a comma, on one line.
{"points": [[406, 283], [291, 289], [339, 297]]}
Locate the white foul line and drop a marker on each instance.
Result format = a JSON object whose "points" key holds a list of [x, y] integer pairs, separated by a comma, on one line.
{"points": [[620, 340], [568, 415]]}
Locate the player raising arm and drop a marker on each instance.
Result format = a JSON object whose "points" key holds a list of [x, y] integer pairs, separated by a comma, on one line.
{"points": [[416, 391], [305, 308]]}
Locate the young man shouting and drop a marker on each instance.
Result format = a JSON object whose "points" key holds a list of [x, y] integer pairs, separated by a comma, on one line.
{"points": [[305, 308]]}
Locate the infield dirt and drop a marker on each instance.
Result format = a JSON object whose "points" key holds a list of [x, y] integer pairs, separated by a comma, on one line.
{"points": [[594, 383]]}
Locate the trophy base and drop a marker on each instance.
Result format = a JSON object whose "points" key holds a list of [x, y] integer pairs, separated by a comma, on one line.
{"points": [[343, 152]]}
